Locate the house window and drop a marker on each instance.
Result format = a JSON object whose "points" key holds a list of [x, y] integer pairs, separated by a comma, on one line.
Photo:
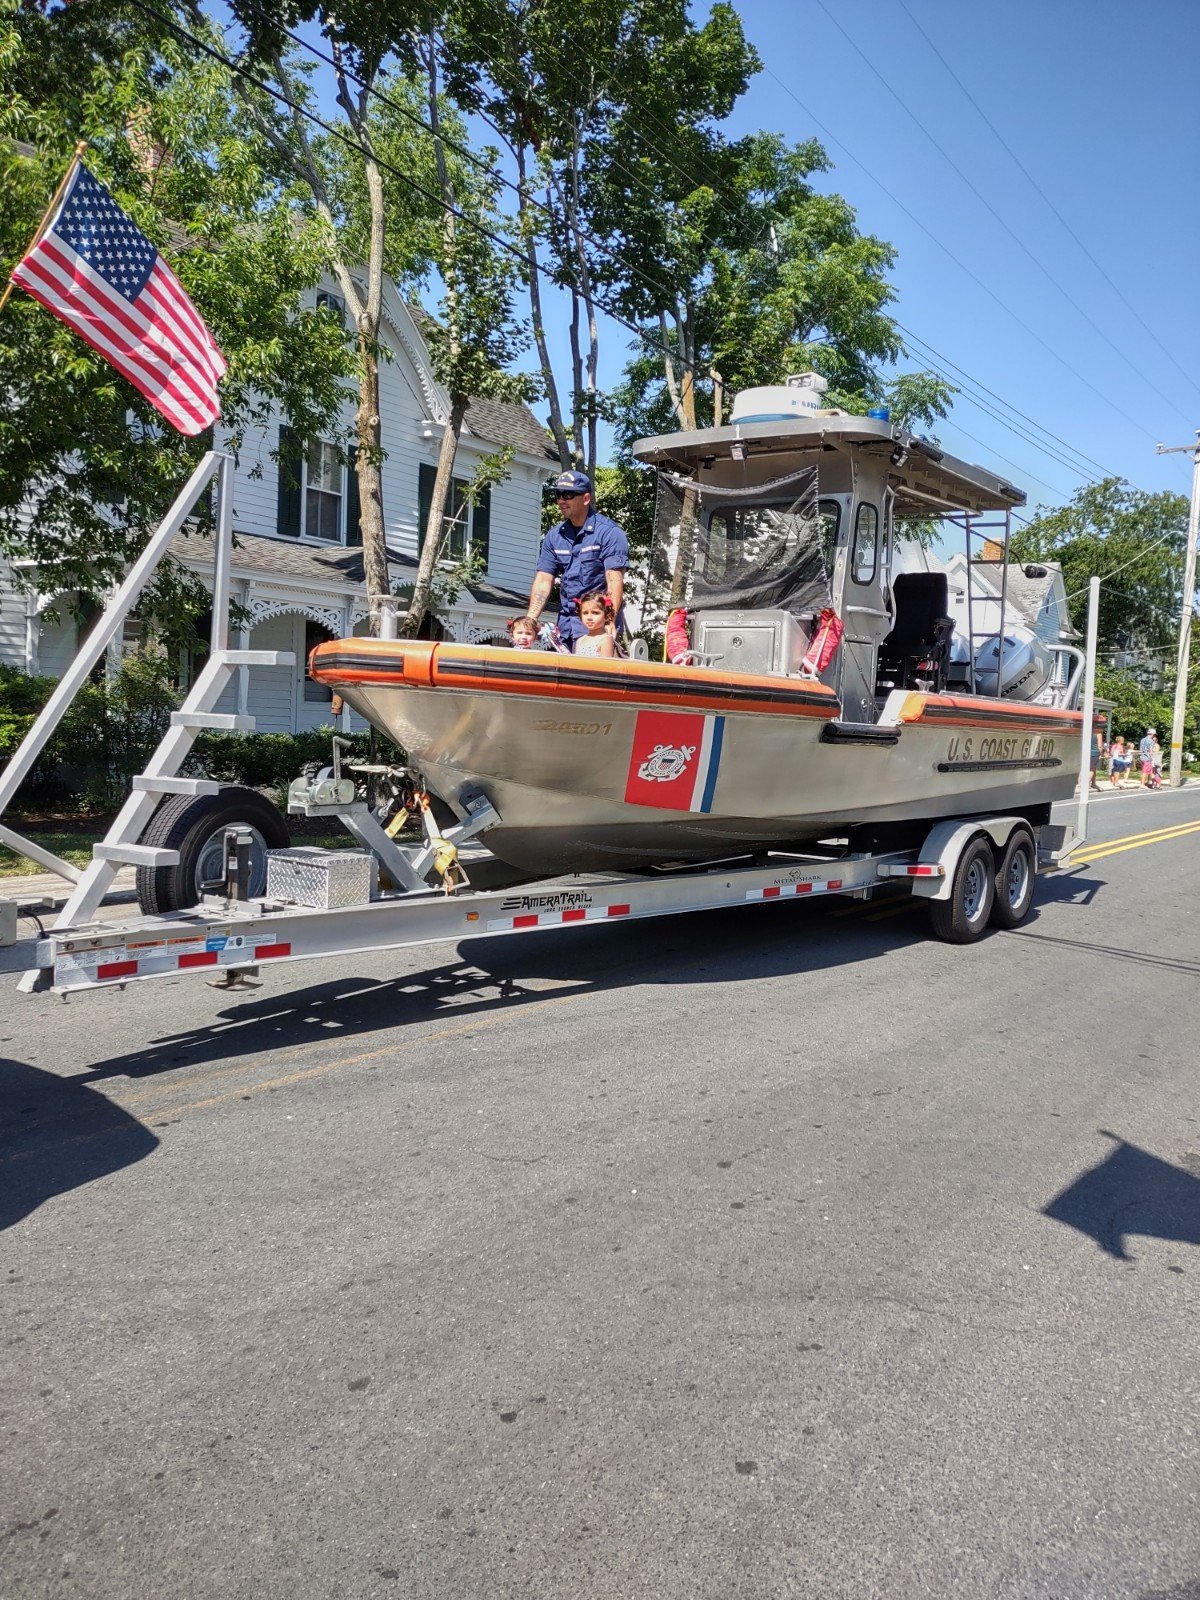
{"points": [[323, 492], [334, 304], [318, 494], [466, 523]]}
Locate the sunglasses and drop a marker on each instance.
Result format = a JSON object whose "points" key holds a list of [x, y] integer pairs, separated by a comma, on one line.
{"points": [[564, 494]]}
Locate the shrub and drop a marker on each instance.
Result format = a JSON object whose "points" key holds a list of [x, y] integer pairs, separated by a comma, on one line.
{"points": [[106, 734], [271, 760]]}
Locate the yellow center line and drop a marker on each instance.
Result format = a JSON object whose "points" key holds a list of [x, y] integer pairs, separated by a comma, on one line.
{"points": [[1135, 841]]}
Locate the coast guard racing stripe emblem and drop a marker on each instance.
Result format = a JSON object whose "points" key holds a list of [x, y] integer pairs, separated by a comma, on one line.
{"points": [[675, 761]]}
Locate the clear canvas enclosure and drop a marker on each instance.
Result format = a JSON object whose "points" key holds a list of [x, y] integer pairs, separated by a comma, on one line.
{"points": [[753, 549]]}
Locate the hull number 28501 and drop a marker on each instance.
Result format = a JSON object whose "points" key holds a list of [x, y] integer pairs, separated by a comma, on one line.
{"points": [[549, 725]]}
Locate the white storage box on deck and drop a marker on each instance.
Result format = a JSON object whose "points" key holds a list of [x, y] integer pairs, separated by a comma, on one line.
{"points": [[323, 879], [751, 641]]}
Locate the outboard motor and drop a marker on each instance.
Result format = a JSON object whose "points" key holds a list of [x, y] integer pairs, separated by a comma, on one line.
{"points": [[1028, 665]]}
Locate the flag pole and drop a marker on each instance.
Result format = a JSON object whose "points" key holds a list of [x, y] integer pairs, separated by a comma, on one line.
{"points": [[80, 147]]}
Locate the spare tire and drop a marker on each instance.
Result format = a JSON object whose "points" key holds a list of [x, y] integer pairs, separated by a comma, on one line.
{"points": [[195, 826]]}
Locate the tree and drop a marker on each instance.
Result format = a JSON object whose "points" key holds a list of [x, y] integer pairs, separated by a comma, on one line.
{"points": [[360, 38], [86, 467], [1134, 541], [477, 337], [395, 197], [573, 91]]}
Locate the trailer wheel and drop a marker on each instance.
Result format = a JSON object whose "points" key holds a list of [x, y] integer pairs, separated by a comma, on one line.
{"points": [[195, 826], [963, 917], [1015, 879]]}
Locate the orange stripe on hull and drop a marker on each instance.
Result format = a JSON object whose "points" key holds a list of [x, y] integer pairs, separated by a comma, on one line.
{"points": [[967, 711], [539, 675]]}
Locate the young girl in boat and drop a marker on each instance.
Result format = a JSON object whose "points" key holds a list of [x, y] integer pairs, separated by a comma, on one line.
{"points": [[596, 614]]}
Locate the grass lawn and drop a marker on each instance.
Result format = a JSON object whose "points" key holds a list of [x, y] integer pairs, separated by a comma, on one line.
{"points": [[72, 838]]}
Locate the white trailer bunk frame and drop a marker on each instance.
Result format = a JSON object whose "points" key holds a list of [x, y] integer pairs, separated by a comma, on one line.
{"points": [[975, 871]]}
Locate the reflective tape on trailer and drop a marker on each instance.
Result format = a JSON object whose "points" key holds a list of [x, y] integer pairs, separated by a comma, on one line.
{"points": [[557, 919], [777, 891], [117, 964]]}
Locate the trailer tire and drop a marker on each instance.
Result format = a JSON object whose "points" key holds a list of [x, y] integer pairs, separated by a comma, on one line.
{"points": [[194, 825], [962, 917], [1016, 877]]}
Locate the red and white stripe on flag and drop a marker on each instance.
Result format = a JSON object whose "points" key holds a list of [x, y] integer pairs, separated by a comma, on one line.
{"points": [[98, 273], [675, 760]]}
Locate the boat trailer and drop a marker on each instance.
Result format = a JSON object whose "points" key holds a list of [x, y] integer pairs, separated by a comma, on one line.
{"points": [[975, 872]]}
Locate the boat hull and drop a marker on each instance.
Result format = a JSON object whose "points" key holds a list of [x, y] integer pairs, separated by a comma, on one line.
{"points": [[596, 764]]}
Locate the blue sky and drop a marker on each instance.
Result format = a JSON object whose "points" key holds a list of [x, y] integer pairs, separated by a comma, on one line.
{"points": [[1098, 101]]}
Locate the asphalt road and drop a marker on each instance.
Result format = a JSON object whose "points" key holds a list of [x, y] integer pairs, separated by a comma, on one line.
{"points": [[761, 1253]]}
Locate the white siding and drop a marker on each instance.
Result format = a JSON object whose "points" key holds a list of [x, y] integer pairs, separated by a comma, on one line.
{"points": [[271, 688], [12, 621]]}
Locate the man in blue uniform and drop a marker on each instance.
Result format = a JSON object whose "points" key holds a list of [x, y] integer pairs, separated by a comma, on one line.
{"points": [[586, 551]]}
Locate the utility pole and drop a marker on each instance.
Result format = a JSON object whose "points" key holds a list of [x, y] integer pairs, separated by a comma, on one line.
{"points": [[1185, 619]]}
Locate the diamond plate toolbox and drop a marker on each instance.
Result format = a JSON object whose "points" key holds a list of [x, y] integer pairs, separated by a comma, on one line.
{"points": [[326, 880]]}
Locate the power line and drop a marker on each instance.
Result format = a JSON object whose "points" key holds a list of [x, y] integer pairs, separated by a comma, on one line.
{"points": [[949, 422], [1133, 560], [1007, 405], [958, 262], [986, 203], [1024, 170]]}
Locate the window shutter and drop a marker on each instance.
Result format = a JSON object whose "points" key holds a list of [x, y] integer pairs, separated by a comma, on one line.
{"points": [[353, 504], [425, 482], [291, 480], [481, 526]]}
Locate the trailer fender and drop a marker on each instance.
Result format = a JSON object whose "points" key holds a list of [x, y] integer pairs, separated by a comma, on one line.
{"points": [[945, 843]]}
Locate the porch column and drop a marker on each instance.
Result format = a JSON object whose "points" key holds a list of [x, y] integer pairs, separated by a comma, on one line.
{"points": [[347, 630], [243, 643]]}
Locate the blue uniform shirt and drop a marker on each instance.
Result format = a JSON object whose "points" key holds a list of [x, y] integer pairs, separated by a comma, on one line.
{"points": [[579, 558]]}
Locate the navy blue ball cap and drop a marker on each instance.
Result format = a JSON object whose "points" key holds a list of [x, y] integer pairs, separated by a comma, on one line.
{"points": [[572, 483]]}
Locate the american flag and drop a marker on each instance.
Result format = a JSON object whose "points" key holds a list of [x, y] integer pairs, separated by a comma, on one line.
{"points": [[95, 271]]}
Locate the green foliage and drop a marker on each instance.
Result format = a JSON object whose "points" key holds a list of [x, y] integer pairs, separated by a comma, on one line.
{"points": [[87, 468], [272, 760], [1136, 708], [1134, 541], [106, 735]]}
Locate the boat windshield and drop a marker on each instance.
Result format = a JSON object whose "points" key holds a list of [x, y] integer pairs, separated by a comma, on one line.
{"points": [[759, 548]]}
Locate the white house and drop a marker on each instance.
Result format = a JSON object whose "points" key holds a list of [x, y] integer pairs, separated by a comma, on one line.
{"points": [[1035, 596], [297, 567]]}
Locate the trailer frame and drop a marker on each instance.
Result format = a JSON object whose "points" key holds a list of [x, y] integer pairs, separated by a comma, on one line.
{"points": [[232, 938]]}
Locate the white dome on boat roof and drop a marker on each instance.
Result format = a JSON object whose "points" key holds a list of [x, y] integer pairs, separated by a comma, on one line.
{"points": [[801, 396]]}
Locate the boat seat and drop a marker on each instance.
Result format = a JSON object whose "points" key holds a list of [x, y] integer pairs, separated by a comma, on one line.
{"points": [[916, 654]]}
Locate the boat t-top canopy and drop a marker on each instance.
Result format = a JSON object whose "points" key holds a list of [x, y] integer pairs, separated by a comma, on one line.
{"points": [[926, 481]]}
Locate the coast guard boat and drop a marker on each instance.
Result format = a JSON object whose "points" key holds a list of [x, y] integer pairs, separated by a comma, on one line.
{"points": [[821, 695]]}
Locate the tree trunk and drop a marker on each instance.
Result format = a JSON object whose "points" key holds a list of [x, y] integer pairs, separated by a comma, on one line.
{"points": [[686, 549], [367, 466], [423, 587], [576, 383], [539, 322]]}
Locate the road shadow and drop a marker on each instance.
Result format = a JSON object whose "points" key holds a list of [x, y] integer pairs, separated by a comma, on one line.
{"points": [[1069, 887], [739, 946], [1132, 1192], [57, 1134]]}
